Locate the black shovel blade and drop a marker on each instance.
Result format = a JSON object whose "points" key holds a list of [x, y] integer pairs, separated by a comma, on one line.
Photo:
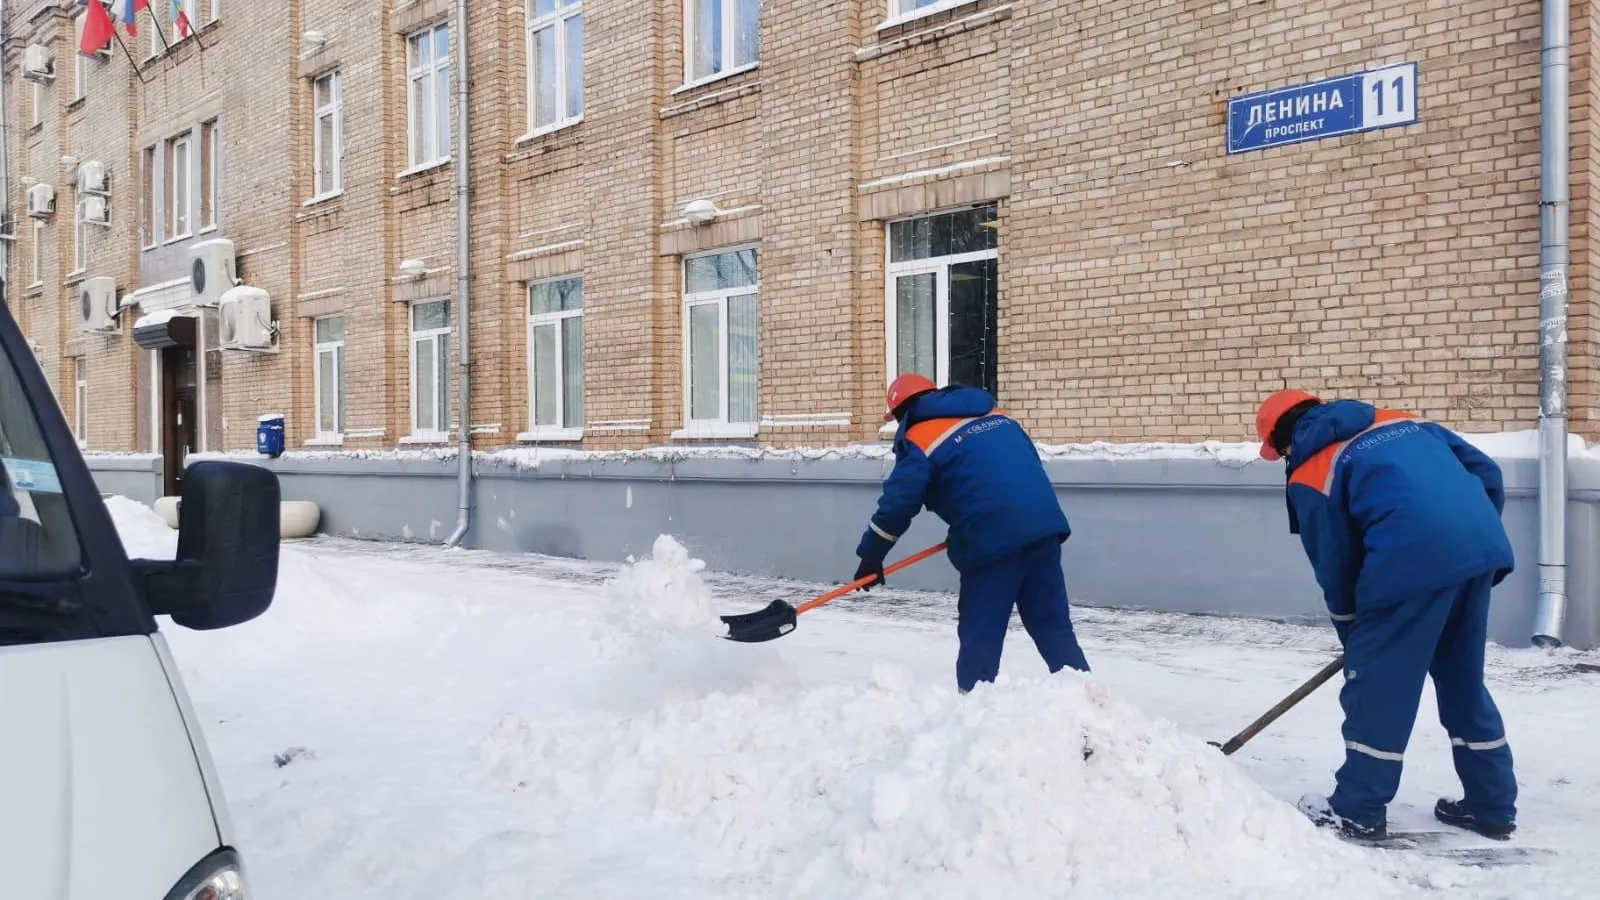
{"points": [[769, 624]]}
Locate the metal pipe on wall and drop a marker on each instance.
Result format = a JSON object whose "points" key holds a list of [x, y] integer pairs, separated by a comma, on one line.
{"points": [[1554, 254], [463, 245]]}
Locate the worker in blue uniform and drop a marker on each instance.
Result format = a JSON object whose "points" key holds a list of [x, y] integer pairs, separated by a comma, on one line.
{"points": [[977, 469], [1400, 518]]}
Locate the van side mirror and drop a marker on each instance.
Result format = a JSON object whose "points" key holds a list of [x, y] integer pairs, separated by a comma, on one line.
{"points": [[228, 534]]}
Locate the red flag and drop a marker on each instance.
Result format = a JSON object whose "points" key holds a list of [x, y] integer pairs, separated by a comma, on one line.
{"points": [[97, 30]]}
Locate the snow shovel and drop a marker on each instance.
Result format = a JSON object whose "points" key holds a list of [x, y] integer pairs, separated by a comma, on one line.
{"points": [[1284, 705], [778, 618]]}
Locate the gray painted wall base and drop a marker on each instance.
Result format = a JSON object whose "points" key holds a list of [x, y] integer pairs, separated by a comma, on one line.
{"points": [[1180, 535]]}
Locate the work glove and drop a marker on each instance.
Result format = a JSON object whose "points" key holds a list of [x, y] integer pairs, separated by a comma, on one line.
{"points": [[869, 568]]}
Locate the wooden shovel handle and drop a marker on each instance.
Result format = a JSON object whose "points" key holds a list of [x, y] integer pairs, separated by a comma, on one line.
{"points": [[859, 583]]}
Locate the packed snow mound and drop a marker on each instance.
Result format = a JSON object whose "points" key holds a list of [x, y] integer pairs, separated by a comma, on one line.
{"points": [[145, 535], [667, 588], [1051, 787]]}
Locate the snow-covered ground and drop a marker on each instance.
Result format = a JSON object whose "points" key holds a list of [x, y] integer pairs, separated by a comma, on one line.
{"points": [[410, 722]]}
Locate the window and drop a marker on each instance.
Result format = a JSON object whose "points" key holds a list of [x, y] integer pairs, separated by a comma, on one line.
{"points": [[430, 368], [905, 9], [192, 20], [327, 138], [721, 37], [555, 357], [555, 63], [80, 252], [80, 400], [38, 104], [36, 275], [210, 175], [720, 327], [177, 183], [149, 233], [36, 523], [80, 63], [943, 298], [330, 376], [428, 58]]}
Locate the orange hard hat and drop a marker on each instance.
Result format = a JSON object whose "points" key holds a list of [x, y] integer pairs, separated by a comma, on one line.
{"points": [[904, 388], [1272, 409]]}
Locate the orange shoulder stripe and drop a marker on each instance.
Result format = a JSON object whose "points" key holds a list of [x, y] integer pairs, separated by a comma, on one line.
{"points": [[1317, 472], [927, 433], [1385, 416]]}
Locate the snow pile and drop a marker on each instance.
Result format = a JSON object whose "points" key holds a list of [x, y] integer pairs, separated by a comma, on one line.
{"points": [[145, 535], [1232, 453], [896, 789], [666, 587]]}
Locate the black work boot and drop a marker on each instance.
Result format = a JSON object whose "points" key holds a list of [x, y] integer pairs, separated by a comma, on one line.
{"points": [[1322, 815], [1454, 812]]}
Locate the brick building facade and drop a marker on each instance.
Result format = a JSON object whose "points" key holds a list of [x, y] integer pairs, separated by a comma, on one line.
{"points": [[733, 220]]}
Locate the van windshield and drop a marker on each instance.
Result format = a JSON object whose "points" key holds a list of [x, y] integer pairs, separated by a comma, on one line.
{"points": [[37, 538]]}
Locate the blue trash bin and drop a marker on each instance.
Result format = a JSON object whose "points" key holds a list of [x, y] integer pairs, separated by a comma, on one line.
{"points": [[269, 435]]}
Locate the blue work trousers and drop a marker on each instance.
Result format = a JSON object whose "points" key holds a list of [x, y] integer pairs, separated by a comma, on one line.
{"points": [[1388, 652], [1031, 580]]}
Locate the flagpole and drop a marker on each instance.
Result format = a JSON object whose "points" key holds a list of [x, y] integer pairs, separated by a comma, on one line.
{"points": [[136, 73]]}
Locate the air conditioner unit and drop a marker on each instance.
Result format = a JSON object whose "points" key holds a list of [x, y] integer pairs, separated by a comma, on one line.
{"points": [[93, 178], [97, 304], [37, 64], [41, 201], [244, 319], [211, 271], [95, 210]]}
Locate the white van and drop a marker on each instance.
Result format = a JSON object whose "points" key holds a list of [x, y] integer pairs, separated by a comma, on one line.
{"points": [[107, 791]]}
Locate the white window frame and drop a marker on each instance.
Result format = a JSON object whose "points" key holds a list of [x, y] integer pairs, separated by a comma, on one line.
{"points": [[36, 261], [213, 183], [537, 23], [730, 21], [442, 409], [80, 63], [939, 267], [173, 185], [37, 112], [428, 74], [80, 238], [333, 112], [719, 427], [535, 431], [337, 348], [899, 14], [80, 401]]}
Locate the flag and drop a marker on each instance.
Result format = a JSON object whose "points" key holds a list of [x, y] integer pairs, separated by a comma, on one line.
{"points": [[97, 29], [180, 20], [127, 12]]}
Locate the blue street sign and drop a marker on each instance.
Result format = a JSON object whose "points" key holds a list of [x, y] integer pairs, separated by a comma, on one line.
{"points": [[1364, 101]]}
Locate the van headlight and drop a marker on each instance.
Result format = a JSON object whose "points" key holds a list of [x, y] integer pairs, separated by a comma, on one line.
{"points": [[217, 877]]}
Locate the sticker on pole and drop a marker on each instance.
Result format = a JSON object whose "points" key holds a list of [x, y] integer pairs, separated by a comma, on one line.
{"points": [[1363, 101]]}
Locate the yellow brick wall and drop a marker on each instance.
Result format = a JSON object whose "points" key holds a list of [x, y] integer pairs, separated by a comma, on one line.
{"points": [[1151, 287]]}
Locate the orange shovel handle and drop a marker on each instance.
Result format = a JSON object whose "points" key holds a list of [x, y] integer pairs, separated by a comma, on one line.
{"points": [[859, 583]]}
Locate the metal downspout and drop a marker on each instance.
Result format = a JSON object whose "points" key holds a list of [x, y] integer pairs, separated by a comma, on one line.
{"points": [[464, 360], [1554, 254]]}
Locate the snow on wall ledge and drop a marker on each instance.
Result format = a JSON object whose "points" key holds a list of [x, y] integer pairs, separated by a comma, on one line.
{"points": [[1197, 528], [1500, 445]]}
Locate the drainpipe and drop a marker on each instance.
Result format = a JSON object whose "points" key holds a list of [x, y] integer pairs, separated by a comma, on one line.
{"points": [[1553, 305], [464, 361]]}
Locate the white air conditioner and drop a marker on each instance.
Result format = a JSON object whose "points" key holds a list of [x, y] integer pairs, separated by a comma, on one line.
{"points": [[94, 210], [37, 64], [244, 319], [41, 201], [93, 178], [211, 271], [97, 304]]}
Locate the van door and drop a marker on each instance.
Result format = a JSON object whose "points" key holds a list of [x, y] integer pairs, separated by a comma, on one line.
{"points": [[102, 792]]}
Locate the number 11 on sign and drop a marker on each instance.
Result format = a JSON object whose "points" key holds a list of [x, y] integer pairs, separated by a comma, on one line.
{"points": [[1389, 96]]}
